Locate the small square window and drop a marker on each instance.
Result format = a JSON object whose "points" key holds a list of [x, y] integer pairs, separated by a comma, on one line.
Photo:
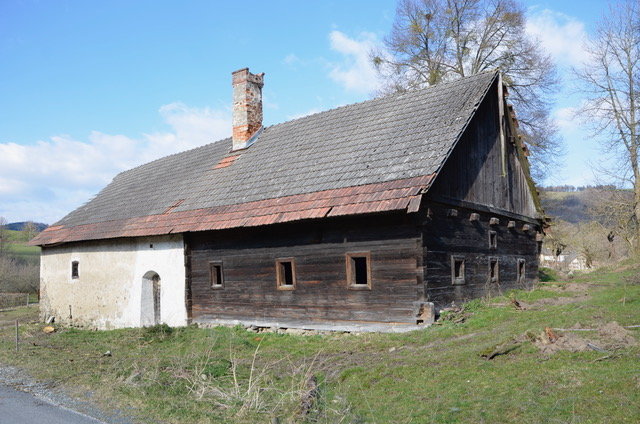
{"points": [[286, 274], [216, 275], [493, 239], [521, 270], [359, 270], [494, 270], [457, 270], [75, 273]]}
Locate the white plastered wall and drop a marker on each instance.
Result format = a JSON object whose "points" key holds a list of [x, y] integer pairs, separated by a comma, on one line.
{"points": [[108, 292]]}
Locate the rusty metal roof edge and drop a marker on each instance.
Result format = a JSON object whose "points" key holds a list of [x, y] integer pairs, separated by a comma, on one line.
{"points": [[53, 233]]}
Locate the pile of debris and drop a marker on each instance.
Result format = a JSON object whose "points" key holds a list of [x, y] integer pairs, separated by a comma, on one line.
{"points": [[607, 338]]}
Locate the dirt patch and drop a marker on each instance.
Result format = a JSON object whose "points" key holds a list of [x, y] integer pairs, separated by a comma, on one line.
{"points": [[570, 342], [609, 337], [568, 287], [616, 336], [553, 301]]}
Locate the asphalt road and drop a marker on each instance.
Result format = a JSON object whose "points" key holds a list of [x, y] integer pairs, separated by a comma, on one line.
{"points": [[18, 407]]}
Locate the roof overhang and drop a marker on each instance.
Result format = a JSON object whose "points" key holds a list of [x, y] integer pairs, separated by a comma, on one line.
{"points": [[397, 195]]}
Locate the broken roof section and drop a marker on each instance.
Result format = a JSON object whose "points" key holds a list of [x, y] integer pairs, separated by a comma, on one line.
{"points": [[402, 138]]}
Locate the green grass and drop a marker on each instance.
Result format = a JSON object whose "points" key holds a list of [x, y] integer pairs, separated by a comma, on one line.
{"points": [[197, 375], [18, 248], [14, 236], [23, 251]]}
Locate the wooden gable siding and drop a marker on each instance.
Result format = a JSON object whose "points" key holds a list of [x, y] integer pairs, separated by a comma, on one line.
{"points": [[474, 171], [445, 236], [321, 293]]}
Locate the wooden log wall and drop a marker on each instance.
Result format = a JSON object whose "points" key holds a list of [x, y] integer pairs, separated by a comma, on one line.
{"points": [[321, 292], [447, 234]]}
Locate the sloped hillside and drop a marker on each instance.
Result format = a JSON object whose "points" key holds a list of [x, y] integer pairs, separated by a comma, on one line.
{"points": [[566, 352]]}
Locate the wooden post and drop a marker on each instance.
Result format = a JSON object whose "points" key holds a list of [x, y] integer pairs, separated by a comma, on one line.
{"points": [[16, 335], [27, 299]]}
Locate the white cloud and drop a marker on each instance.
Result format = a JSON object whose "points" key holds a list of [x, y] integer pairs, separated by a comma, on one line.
{"points": [[566, 118], [291, 60], [561, 35], [303, 114], [48, 179], [355, 72]]}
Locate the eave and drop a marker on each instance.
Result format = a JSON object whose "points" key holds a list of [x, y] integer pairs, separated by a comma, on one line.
{"points": [[403, 194]]}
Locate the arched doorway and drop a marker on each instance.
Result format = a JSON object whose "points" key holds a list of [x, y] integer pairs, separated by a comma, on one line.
{"points": [[150, 313]]}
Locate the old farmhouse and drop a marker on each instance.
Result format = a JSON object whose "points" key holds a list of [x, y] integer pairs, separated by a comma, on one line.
{"points": [[372, 214]]}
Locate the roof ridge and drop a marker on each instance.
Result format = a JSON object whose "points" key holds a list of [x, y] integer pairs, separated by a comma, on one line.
{"points": [[381, 98]]}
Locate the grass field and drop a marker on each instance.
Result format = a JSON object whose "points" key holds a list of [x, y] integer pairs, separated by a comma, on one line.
{"points": [[438, 375], [18, 248]]}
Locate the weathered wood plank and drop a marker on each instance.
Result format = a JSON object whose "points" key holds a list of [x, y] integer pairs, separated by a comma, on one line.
{"points": [[321, 291]]}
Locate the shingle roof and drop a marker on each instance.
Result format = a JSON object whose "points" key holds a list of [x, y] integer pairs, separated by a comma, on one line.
{"points": [[401, 137]]}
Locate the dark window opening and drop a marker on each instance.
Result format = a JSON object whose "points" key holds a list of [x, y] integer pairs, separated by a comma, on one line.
{"points": [[286, 274], [74, 269], [457, 270], [493, 270], [520, 274], [493, 239], [216, 275], [359, 270]]}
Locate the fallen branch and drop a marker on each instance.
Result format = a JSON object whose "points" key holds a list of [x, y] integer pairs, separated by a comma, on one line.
{"points": [[603, 358], [502, 349], [591, 329], [575, 329], [596, 348]]}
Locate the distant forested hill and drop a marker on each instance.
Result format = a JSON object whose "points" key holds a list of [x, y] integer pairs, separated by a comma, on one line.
{"points": [[576, 206], [572, 206], [19, 226]]}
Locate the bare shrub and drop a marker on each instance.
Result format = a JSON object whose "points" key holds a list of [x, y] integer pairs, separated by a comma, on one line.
{"points": [[251, 387], [18, 276]]}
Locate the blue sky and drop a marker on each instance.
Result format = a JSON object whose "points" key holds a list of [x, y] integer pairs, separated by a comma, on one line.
{"points": [[91, 88]]}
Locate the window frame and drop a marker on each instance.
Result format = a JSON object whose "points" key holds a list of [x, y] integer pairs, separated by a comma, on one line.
{"points": [[280, 278], [351, 271], [220, 284], [494, 279], [458, 281], [75, 270]]}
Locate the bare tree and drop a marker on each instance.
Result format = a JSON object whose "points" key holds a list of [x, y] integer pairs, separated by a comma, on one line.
{"points": [[441, 40], [615, 212], [611, 80], [30, 229]]}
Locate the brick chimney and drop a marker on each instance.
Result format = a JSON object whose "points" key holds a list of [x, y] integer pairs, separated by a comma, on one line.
{"points": [[247, 107]]}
